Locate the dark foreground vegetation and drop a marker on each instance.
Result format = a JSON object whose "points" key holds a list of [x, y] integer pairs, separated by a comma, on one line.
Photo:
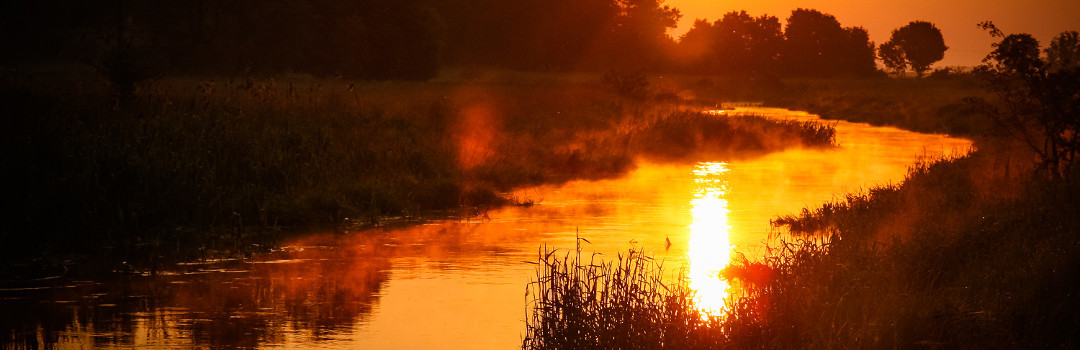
{"points": [[184, 164], [980, 251]]}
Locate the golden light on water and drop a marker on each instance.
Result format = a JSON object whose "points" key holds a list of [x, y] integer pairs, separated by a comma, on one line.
{"points": [[710, 247]]}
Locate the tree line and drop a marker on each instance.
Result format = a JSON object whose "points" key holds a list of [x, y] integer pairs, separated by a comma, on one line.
{"points": [[412, 39]]}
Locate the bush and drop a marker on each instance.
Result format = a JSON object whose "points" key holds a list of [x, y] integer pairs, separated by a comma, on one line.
{"points": [[630, 84]]}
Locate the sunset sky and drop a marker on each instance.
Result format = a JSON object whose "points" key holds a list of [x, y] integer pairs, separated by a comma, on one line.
{"points": [[956, 18]]}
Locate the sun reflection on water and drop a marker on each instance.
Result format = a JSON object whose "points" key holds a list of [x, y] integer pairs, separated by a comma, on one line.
{"points": [[710, 247]]}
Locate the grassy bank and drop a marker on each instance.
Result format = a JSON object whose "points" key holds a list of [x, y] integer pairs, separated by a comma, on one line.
{"points": [[193, 165], [973, 252]]}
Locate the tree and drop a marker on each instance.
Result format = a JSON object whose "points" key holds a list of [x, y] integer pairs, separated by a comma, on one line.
{"points": [[921, 43], [857, 52], [567, 30], [810, 41], [816, 44], [1064, 52], [638, 35], [404, 37], [695, 49], [737, 43], [892, 57], [1035, 104], [747, 44]]}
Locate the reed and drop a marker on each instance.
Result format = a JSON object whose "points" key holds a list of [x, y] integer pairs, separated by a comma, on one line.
{"points": [[619, 304]]}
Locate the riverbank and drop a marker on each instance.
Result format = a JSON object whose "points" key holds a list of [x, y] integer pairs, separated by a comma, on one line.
{"points": [[977, 251], [195, 168], [931, 105], [967, 252]]}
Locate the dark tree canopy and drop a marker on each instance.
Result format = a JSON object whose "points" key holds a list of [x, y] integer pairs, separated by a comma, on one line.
{"points": [[816, 44], [921, 44], [1064, 52], [638, 37], [748, 44], [857, 52], [379, 39], [1035, 103], [696, 48], [812, 44], [735, 44], [1016, 54], [892, 57], [501, 33], [129, 40], [568, 32]]}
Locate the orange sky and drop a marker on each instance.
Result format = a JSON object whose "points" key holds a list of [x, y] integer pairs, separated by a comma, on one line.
{"points": [[956, 18]]}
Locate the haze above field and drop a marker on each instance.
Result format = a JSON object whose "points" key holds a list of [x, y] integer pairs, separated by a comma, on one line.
{"points": [[956, 18]]}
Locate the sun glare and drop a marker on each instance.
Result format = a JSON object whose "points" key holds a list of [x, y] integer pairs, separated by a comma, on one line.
{"points": [[710, 246]]}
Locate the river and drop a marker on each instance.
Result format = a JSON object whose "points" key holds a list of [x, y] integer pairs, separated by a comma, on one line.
{"points": [[461, 284]]}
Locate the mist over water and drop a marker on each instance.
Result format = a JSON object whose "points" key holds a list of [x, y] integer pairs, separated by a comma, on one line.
{"points": [[462, 284]]}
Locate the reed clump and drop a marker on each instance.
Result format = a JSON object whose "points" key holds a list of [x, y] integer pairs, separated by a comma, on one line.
{"points": [[683, 135], [619, 304]]}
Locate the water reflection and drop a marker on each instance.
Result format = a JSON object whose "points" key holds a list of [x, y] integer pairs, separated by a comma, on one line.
{"points": [[710, 246], [303, 294], [460, 284]]}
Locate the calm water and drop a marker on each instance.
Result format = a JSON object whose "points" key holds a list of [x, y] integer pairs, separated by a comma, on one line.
{"points": [[460, 285]]}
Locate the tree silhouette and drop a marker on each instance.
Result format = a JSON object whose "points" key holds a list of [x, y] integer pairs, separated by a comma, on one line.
{"points": [[567, 30], [921, 44], [1064, 52], [892, 57], [696, 48], [1035, 104], [816, 44], [735, 44], [857, 52], [638, 35], [747, 44], [811, 39]]}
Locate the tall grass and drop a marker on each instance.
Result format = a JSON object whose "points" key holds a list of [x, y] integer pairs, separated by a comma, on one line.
{"points": [[620, 304], [957, 256]]}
